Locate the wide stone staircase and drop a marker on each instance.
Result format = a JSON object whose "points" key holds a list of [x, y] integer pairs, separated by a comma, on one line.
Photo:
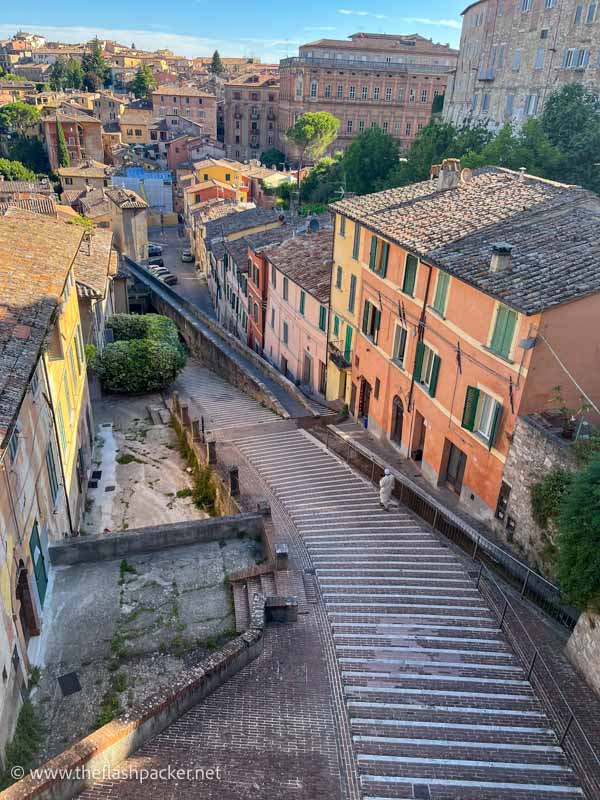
{"points": [[439, 705]]}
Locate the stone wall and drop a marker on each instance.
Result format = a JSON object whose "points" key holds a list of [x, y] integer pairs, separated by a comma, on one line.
{"points": [[583, 648], [534, 453], [107, 546], [80, 765]]}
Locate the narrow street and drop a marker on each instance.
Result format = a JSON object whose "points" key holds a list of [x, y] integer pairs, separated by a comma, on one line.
{"points": [[191, 286]]}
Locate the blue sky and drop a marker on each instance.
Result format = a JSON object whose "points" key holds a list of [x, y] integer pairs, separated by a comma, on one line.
{"points": [[269, 29]]}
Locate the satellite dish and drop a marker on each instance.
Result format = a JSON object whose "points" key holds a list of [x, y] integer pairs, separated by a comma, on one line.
{"points": [[313, 225], [466, 175]]}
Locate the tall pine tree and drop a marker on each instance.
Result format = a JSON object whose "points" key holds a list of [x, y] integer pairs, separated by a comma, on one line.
{"points": [[62, 154]]}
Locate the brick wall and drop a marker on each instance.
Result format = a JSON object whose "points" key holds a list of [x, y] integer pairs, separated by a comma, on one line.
{"points": [[533, 454]]}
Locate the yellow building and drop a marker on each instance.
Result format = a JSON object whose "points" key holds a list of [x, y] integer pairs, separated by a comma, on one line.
{"points": [[224, 171], [46, 434], [344, 316]]}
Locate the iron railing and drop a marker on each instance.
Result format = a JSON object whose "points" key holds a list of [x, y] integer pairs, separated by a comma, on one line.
{"points": [[516, 572], [572, 737]]}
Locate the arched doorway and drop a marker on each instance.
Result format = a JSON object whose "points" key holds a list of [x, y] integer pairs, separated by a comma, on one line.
{"points": [[27, 616], [397, 420]]}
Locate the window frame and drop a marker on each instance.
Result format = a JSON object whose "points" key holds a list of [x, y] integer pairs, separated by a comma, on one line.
{"points": [[441, 292], [414, 263]]}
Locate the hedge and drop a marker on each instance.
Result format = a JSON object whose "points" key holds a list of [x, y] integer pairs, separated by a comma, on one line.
{"points": [[145, 356]]}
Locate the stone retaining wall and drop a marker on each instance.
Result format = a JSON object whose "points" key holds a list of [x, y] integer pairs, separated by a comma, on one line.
{"points": [[108, 546], [583, 648], [82, 764]]}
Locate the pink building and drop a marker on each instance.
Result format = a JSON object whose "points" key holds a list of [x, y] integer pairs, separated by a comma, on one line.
{"points": [[299, 283]]}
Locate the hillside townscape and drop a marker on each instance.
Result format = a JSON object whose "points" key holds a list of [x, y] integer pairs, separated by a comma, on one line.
{"points": [[300, 414]]}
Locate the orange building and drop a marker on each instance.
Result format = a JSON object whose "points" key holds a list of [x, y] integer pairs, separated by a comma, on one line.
{"points": [[479, 294]]}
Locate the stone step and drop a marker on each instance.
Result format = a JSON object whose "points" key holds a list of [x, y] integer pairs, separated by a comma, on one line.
{"points": [[267, 584], [241, 607]]}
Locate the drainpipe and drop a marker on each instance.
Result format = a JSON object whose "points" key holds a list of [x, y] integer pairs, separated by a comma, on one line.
{"points": [[60, 458], [420, 332]]}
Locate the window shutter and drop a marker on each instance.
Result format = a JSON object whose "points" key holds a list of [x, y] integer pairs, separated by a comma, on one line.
{"points": [[410, 272], [373, 253], [435, 371], [419, 354], [365, 323], [495, 425], [510, 323], [499, 328], [376, 323], [470, 409], [385, 249]]}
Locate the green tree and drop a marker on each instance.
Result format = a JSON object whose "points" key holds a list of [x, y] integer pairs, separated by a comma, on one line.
{"points": [[143, 82], [96, 72], [31, 153], [571, 120], [62, 153], [15, 171], [272, 157], [57, 75], [74, 74], [369, 159], [18, 116], [311, 135], [217, 65], [578, 540], [325, 182]]}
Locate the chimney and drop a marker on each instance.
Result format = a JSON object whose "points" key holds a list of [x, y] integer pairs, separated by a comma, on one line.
{"points": [[434, 171], [449, 174], [501, 257]]}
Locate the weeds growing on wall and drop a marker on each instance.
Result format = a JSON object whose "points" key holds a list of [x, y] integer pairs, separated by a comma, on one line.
{"points": [[204, 493]]}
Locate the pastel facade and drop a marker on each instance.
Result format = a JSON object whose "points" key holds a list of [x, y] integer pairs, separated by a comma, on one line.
{"points": [[295, 336], [461, 330], [251, 104]]}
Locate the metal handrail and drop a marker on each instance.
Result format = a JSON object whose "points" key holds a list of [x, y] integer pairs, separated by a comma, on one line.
{"points": [[533, 666], [482, 546]]}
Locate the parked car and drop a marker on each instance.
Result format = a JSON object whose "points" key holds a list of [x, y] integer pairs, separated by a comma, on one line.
{"points": [[156, 262], [169, 279], [187, 255], [154, 249], [158, 271]]}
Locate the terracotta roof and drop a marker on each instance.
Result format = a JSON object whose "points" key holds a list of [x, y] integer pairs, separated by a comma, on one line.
{"points": [[181, 91], [306, 260], [94, 263], [126, 198], [403, 43], [244, 220], [87, 169], [238, 248], [36, 254], [74, 113], [15, 187], [39, 205], [216, 208], [254, 79], [454, 229]]}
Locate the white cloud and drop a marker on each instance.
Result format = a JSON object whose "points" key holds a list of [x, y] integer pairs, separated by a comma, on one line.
{"points": [[351, 13], [150, 39], [444, 23]]}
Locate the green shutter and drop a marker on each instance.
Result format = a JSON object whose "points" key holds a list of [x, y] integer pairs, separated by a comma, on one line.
{"points": [[302, 301], [356, 243], [336, 325], [410, 273], [352, 294], [365, 322], [470, 409], [348, 343], [385, 250], [435, 371], [495, 425], [376, 324], [504, 330], [441, 291], [419, 354], [373, 253]]}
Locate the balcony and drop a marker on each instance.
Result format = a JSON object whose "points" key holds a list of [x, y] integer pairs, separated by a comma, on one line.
{"points": [[254, 115], [486, 74], [340, 355]]}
